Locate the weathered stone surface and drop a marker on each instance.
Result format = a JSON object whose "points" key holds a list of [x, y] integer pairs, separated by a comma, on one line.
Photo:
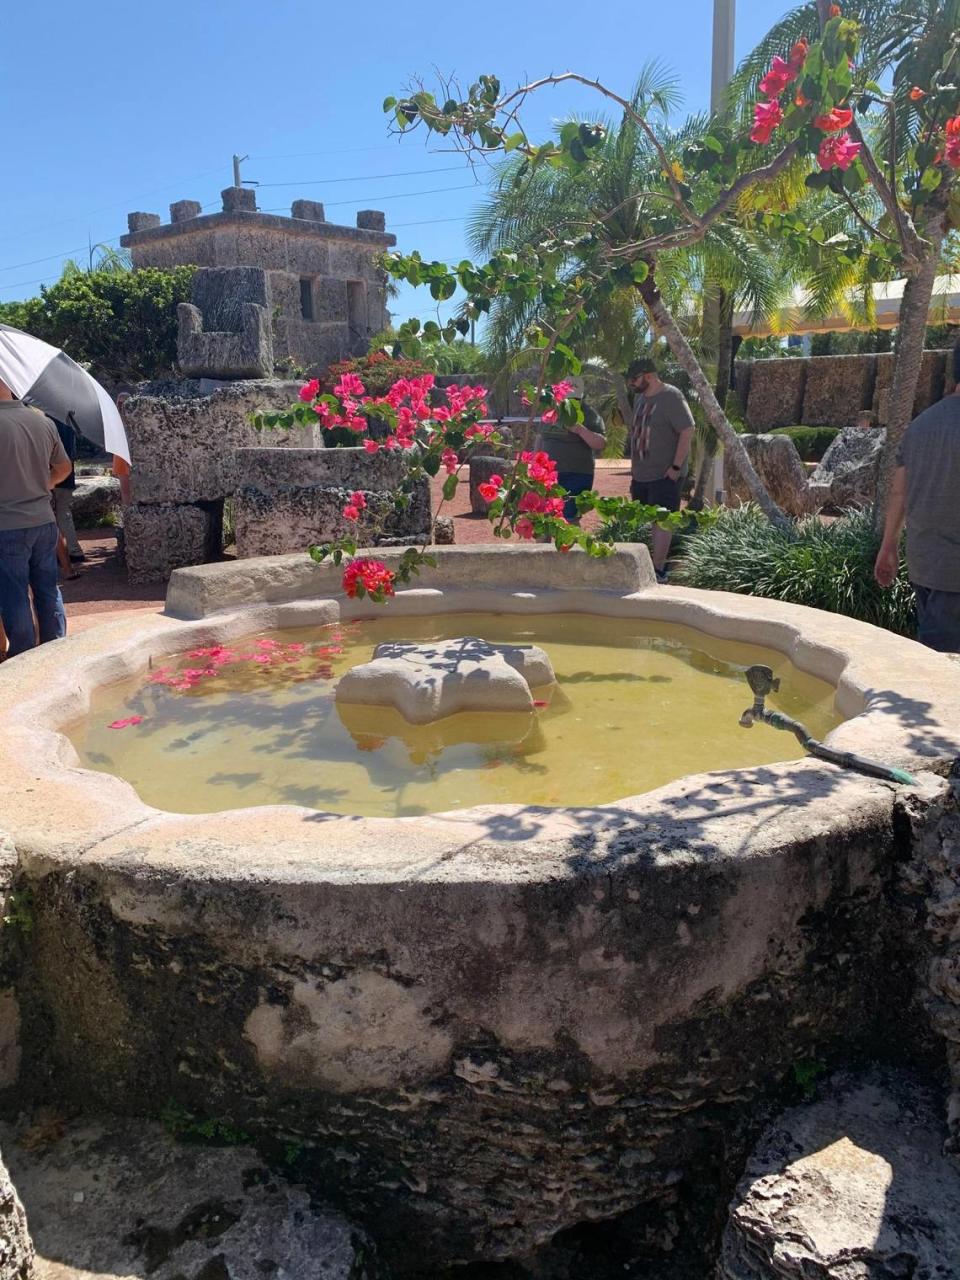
{"points": [[161, 537], [851, 1186], [10, 914], [426, 682], [482, 468], [846, 476], [837, 389], [289, 499], [444, 531], [930, 386], [142, 221], [16, 1247], [94, 499], [122, 1199], [184, 210], [932, 876], [246, 353], [239, 200], [371, 220], [778, 465], [310, 210], [776, 393], [183, 443]]}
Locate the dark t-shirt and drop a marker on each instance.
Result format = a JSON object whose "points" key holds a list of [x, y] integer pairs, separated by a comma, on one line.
{"points": [[68, 438], [29, 447], [658, 422], [568, 451], [930, 451]]}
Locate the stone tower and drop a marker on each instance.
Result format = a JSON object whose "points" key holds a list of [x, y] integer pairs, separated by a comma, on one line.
{"points": [[272, 291]]}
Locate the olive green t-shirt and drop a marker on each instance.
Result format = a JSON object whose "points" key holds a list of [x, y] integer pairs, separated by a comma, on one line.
{"points": [[568, 451], [29, 446], [657, 424]]}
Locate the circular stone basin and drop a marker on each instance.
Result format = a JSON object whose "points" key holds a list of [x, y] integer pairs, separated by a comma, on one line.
{"points": [[635, 704]]}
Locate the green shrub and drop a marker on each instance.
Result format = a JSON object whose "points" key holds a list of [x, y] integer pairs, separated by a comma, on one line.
{"points": [[812, 442], [825, 566]]}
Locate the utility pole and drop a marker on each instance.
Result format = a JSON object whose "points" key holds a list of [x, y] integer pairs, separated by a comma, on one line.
{"points": [[237, 162]]}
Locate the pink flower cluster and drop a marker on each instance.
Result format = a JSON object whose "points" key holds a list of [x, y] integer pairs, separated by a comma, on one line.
{"points": [[540, 467], [838, 152], [372, 575], [952, 148], [356, 504], [768, 115], [490, 490], [542, 471]]}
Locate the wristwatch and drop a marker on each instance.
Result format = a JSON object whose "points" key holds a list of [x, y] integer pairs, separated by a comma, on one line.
{"points": [[673, 467]]}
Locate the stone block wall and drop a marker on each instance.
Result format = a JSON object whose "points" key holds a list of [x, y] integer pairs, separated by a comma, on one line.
{"points": [[183, 449], [836, 389], [776, 393], [930, 387], [289, 499], [831, 391]]}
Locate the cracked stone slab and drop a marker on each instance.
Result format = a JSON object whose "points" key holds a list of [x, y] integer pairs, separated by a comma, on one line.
{"points": [[121, 1199], [427, 682], [851, 1186]]}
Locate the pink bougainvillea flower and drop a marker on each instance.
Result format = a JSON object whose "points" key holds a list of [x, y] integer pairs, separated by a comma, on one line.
{"points": [[561, 390], [349, 385], [371, 446], [524, 527], [916, 93], [549, 416], [777, 78], [350, 512], [766, 117], [374, 576], [296, 648], [838, 152], [357, 499], [450, 460], [310, 390], [488, 491], [125, 723], [540, 702], [839, 118]]}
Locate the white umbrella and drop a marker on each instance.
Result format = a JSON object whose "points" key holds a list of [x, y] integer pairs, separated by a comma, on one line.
{"points": [[45, 377]]}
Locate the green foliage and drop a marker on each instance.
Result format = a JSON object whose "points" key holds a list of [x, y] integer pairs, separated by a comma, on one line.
{"points": [[439, 357], [806, 1072], [812, 442], [378, 371], [825, 566], [186, 1127], [123, 324], [20, 908]]}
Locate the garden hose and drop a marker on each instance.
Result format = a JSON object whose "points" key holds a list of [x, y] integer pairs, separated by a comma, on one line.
{"points": [[762, 681]]}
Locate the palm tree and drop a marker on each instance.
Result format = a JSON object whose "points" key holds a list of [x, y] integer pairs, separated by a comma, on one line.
{"points": [[622, 186]]}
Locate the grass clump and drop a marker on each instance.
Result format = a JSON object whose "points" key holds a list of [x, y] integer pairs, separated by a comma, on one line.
{"points": [[824, 566]]}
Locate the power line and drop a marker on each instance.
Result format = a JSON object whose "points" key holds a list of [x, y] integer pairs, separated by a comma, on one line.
{"points": [[367, 177]]}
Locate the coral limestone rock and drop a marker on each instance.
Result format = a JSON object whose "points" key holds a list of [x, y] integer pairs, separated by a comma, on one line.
{"points": [[426, 682]]}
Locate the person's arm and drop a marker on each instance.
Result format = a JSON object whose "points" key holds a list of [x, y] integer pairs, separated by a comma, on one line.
{"points": [[888, 557], [60, 464], [594, 440], [684, 431]]}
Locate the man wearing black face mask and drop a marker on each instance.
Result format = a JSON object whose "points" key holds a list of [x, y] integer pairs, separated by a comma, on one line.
{"points": [[660, 438]]}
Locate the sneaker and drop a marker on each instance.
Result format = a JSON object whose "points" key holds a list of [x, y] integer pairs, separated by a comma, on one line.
{"points": [[77, 558], [662, 576]]}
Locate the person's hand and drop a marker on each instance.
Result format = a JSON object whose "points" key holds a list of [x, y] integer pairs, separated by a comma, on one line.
{"points": [[673, 473], [886, 566]]}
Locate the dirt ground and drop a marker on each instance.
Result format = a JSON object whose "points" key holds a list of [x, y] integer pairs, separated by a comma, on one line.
{"points": [[103, 587]]}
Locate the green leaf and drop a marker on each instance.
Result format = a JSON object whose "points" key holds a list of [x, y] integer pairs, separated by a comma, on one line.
{"points": [[450, 487], [389, 104], [931, 179], [640, 271], [512, 141]]}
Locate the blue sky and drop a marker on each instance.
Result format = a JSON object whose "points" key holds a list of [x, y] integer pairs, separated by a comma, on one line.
{"points": [[130, 109]]}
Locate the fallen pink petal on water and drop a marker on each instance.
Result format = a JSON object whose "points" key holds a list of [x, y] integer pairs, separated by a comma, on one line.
{"points": [[125, 724], [540, 702]]}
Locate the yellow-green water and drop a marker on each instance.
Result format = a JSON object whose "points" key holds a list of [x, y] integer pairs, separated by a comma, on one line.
{"points": [[636, 705]]}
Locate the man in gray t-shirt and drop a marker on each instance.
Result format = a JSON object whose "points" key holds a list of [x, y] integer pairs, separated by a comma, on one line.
{"points": [[32, 461], [925, 494], [660, 438]]}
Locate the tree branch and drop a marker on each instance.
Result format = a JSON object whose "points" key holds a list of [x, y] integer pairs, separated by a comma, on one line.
{"points": [[910, 241]]}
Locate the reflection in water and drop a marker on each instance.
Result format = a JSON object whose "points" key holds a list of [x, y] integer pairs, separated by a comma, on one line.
{"points": [[635, 705]]}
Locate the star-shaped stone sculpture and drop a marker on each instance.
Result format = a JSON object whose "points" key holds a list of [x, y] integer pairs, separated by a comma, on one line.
{"points": [[427, 682]]}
